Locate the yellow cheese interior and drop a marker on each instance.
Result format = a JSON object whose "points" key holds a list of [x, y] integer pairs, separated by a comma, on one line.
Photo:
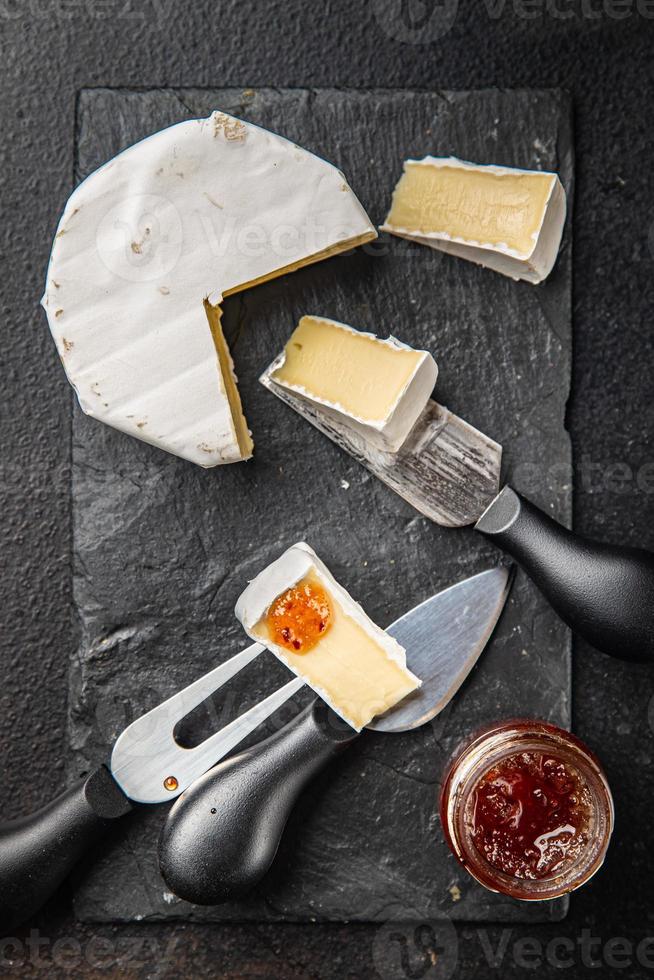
{"points": [[214, 313], [326, 253], [362, 375], [476, 205], [241, 432], [348, 664]]}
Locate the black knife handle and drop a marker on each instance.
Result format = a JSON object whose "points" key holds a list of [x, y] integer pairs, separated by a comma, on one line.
{"points": [[605, 593], [221, 836], [38, 852]]}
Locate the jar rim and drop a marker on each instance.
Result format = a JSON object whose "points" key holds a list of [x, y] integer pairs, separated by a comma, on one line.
{"points": [[478, 755]]}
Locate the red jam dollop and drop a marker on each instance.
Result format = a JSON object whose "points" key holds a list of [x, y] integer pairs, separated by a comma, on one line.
{"points": [[529, 815], [300, 617]]}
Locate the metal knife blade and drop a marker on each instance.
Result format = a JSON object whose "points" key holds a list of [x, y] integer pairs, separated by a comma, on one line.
{"points": [[446, 469], [444, 638]]}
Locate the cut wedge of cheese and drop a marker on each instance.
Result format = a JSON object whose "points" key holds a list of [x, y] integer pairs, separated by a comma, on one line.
{"points": [[357, 668], [146, 249], [378, 387], [506, 219]]}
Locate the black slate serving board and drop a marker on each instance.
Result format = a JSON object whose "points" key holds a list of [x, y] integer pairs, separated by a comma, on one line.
{"points": [[162, 549]]}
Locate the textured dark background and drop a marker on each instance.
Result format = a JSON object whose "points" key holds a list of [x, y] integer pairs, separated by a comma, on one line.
{"points": [[602, 53]]}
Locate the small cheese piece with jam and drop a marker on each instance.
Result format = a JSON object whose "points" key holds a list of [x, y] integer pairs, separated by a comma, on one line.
{"points": [[145, 251], [507, 219], [297, 609], [377, 387]]}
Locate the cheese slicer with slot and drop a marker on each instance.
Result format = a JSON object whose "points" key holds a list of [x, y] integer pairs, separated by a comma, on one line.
{"points": [[450, 472], [147, 766]]}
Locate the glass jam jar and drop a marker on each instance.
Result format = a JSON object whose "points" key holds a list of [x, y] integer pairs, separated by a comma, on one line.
{"points": [[527, 810]]}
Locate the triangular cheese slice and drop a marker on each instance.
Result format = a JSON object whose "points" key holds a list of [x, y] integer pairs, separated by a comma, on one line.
{"points": [[146, 249]]}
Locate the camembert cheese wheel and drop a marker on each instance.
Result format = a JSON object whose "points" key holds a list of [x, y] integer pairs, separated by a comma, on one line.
{"points": [[147, 248]]}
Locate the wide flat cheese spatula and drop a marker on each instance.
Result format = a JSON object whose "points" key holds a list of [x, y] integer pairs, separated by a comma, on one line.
{"points": [[222, 835], [450, 472]]}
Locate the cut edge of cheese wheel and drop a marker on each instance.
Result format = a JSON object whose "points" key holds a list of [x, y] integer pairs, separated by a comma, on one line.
{"points": [[328, 253], [146, 249], [229, 381]]}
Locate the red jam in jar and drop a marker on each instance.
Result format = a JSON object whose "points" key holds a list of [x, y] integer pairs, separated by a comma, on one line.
{"points": [[527, 810], [529, 815]]}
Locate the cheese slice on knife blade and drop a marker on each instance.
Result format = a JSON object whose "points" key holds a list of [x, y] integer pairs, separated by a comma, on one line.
{"points": [[377, 387], [506, 219], [147, 248], [297, 609]]}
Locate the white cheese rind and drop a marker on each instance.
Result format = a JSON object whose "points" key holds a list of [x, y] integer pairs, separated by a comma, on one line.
{"points": [[199, 210], [533, 266], [292, 566], [390, 433]]}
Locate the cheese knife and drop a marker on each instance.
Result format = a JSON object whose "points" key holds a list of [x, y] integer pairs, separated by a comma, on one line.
{"points": [[221, 836], [450, 472]]}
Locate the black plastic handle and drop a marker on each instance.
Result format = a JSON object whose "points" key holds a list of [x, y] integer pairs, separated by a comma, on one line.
{"points": [[38, 852], [605, 593], [221, 836]]}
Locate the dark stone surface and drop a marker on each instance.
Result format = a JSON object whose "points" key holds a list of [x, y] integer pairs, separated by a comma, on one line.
{"points": [[162, 549], [605, 60]]}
